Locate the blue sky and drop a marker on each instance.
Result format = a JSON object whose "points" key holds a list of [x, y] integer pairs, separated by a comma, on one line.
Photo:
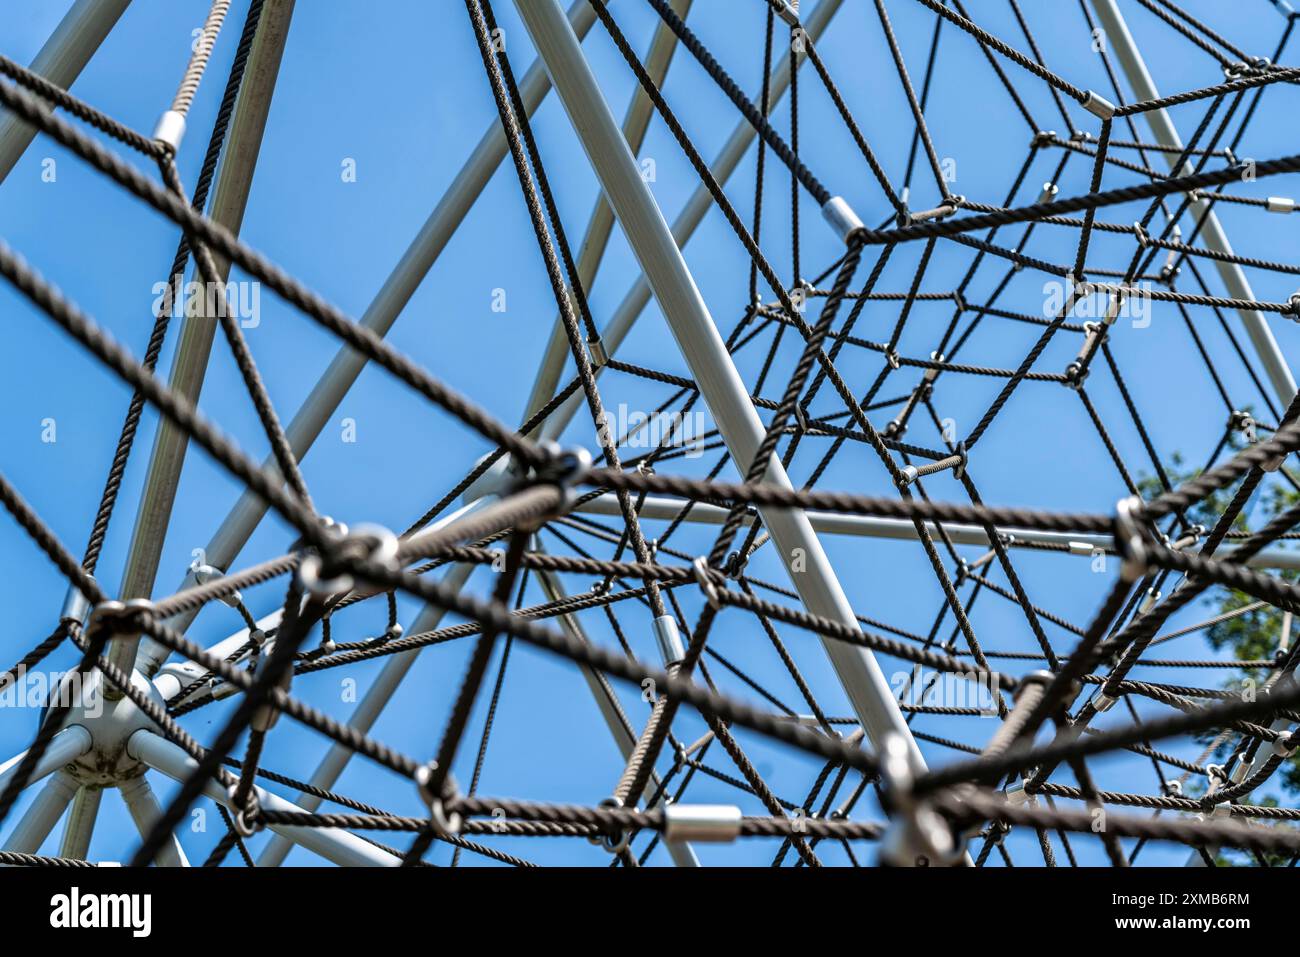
{"points": [[399, 87]]}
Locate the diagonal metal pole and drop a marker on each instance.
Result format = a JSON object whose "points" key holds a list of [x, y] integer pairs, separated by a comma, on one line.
{"points": [[44, 812], [229, 200], [61, 60], [334, 844], [601, 224], [705, 352], [701, 201], [380, 315], [80, 825], [65, 747], [144, 808], [1162, 127]]}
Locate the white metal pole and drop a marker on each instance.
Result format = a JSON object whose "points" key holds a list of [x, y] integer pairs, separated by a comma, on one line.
{"points": [[66, 746], [61, 60], [681, 852], [44, 812], [1162, 127], [388, 303], [80, 825], [189, 365], [659, 507], [334, 844], [367, 712], [601, 224], [706, 354], [701, 201], [144, 808]]}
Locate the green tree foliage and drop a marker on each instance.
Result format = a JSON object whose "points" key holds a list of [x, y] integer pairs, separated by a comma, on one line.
{"points": [[1252, 635]]}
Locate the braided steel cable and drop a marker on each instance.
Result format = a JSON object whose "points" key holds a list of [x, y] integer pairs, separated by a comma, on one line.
{"points": [[1159, 539]]}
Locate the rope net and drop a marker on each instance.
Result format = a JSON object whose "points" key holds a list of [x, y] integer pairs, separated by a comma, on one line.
{"points": [[1049, 635]]}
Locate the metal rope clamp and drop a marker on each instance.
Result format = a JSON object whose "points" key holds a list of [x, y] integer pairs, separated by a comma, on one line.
{"points": [[616, 840], [1285, 746], [563, 468], [170, 130], [1128, 539], [918, 835], [1292, 310], [309, 566], [444, 824], [75, 606], [704, 578], [202, 574], [959, 470], [246, 817], [369, 543], [105, 610]]}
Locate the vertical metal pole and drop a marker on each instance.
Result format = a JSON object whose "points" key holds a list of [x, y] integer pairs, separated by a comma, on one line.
{"points": [[229, 200], [65, 54], [1234, 278], [80, 826], [30, 833], [706, 354], [144, 808]]}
